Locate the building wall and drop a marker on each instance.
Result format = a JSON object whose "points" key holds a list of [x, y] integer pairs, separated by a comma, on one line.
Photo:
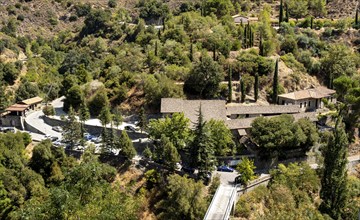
{"points": [[306, 104], [11, 121]]}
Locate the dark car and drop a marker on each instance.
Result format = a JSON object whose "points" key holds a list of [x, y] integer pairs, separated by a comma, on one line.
{"points": [[205, 176], [188, 169], [130, 128], [225, 169], [238, 180]]}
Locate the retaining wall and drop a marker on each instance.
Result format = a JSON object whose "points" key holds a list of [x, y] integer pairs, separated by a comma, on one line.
{"points": [[92, 129]]}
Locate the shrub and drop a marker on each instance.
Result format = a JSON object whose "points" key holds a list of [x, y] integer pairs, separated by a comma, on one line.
{"points": [[112, 3], [20, 17], [53, 21], [49, 110], [73, 18], [82, 9]]}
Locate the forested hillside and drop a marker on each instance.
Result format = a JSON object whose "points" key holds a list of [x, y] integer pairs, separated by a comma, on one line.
{"points": [[112, 58]]}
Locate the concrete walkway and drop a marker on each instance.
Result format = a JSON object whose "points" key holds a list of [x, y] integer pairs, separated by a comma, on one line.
{"points": [[35, 120], [219, 203]]}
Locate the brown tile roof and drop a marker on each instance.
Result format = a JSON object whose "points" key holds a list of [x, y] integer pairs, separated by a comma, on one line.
{"points": [[211, 109], [31, 101], [17, 108], [244, 123], [271, 109], [315, 93]]}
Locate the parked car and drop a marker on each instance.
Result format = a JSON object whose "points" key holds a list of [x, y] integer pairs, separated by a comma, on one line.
{"points": [[188, 169], [96, 139], [238, 180], [88, 136], [58, 143], [225, 169], [130, 128], [8, 129], [57, 128]]}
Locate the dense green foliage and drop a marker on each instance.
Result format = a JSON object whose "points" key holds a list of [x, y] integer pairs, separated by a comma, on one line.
{"points": [[185, 199], [282, 133], [53, 185]]}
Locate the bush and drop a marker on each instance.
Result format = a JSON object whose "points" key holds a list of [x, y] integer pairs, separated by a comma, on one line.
{"points": [[20, 17], [48, 110], [53, 21], [26, 138], [82, 9], [112, 3], [73, 18]]}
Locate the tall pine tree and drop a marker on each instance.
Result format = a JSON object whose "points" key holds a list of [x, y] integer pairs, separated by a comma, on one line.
{"points": [[230, 84], [242, 87], [202, 147], [275, 82], [261, 46], [334, 179], [281, 13], [3, 98], [72, 128], [84, 115], [256, 87], [191, 53], [142, 119], [105, 118]]}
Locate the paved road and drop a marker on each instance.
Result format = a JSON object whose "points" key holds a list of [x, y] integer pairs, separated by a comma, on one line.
{"points": [[58, 106], [226, 178], [34, 119]]}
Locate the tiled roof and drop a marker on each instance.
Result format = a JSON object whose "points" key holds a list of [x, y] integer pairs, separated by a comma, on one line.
{"points": [[17, 108], [211, 109], [32, 101], [244, 123], [271, 109], [316, 93]]}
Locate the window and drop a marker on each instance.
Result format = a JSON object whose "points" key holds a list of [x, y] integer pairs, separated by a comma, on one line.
{"points": [[309, 104], [305, 104], [300, 104]]}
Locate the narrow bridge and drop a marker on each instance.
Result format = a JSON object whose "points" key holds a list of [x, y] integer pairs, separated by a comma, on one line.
{"points": [[226, 196]]}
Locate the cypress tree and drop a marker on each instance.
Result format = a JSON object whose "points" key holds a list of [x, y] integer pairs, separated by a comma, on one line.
{"points": [[164, 24], [84, 115], [230, 84], [3, 98], [214, 52], [287, 13], [252, 39], [156, 48], [142, 119], [248, 35], [261, 46], [281, 14], [242, 90], [256, 87], [357, 17], [311, 22], [334, 179], [275, 82], [245, 36], [72, 128], [191, 55]]}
